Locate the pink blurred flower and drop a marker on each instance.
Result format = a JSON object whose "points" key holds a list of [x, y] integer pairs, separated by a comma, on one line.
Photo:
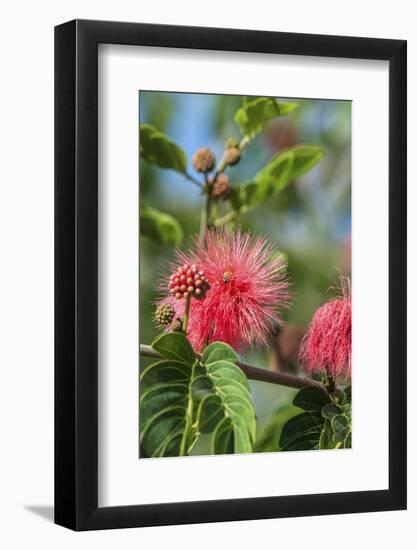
{"points": [[328, 342], [247, 290]]}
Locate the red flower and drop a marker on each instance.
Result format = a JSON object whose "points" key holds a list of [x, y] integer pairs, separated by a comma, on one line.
{"points": [[328, 342], [247, 287]]}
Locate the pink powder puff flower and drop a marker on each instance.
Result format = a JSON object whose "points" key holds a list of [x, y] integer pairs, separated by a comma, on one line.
{"points": [[328, 342], [247, 288]]}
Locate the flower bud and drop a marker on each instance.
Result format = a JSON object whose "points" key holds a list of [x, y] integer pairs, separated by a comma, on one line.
{"points": [[192, 282], [177, 325], [204, 160], [232, 155], [164, 315], [220, 189]]}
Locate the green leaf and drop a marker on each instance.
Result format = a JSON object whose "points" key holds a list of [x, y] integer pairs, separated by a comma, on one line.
{"points": [[164, 400], [347, 411], [302, 432], [289, 165], [340, 426], [255, 113], [250, 195], [347, 444], [330, 410], [311, 399], [225, 401], [164, 371], [327, 440], [219, 351], [181, 397], [323, 426], [277, 174], [223, 438], [340, 396], [237, 198], [210, 413], [305, 157], [159, 149], [283, 168], [174, 346], [348, 393], [161, 227]]}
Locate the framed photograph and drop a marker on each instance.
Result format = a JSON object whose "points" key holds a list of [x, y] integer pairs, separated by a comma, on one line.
{"points": [[230, 244]]}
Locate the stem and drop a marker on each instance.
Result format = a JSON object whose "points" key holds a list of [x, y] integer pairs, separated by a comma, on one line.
{"points": [[203, 223], [189, 417], [189, 177], [229, 217], [330, 384], [205, 215], [186, 314], [254, 373], [208, 201], [245, 141], [223, 164], [220, 169], [208, 211]]}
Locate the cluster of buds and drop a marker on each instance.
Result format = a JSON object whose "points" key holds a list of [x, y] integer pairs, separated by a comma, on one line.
{"points": [[232, 152], [220, 189], [176, 326], [204, 160], [164, 315], [188, 281]]}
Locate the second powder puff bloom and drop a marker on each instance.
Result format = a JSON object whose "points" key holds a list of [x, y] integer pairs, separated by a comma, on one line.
{"points": [[327, 346], [247, 290]]}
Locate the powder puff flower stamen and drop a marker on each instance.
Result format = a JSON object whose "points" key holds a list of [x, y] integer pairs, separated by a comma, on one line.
{"points": [[327, 346], [247, 290]]}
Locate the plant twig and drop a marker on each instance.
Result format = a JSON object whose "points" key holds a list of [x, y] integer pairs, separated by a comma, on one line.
{"points": [[229, 217], [223, 164], [205, 220], [186, 314], [189, 177], [245, 141], [254, 373]]}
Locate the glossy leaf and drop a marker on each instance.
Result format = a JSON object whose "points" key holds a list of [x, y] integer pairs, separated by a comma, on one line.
{"points": [[311, 399], [160, 226], [165, 398], [340, 426], [347, 402], [327, 440], [347, 411], [275, 176], [330, 410], [175, 346], [347, 443], [223, 437], [289, 165], [159, 149], [323, 425], [302, 432], [256, 112], [219, 351], [181, 397], [227, 401]]}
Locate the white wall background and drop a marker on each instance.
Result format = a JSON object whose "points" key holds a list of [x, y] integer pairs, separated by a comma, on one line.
{"points": [[26, 273]]}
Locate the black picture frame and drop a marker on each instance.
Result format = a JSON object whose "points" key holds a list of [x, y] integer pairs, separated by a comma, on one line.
{"points": [[76, 272]]}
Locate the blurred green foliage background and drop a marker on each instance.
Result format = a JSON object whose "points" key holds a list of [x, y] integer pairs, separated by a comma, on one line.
{"points": [[310, 220]]}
